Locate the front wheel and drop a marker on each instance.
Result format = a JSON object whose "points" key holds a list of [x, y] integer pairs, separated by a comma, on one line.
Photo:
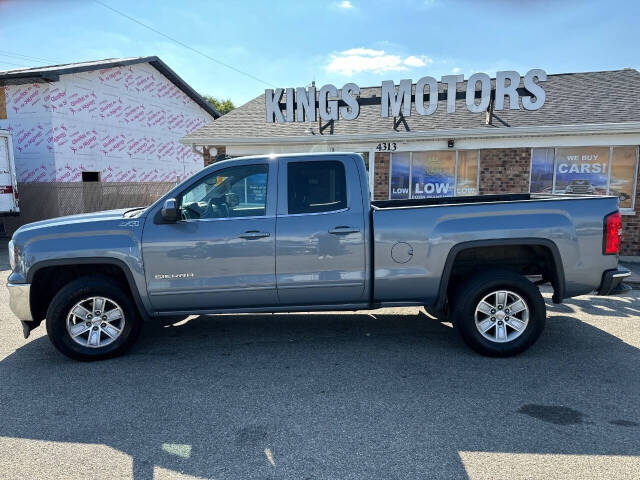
{"points": [[92, 318], [499, 313]]}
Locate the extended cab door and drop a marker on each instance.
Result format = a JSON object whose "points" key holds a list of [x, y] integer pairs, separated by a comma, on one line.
{"points": [[320, 241], [221, 254]]}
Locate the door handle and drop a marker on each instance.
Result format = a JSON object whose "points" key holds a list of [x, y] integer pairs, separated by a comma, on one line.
{"points": [[343, 230], [254, 235]]}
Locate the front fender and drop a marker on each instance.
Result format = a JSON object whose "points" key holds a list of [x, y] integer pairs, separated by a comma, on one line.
{"points": [[104, 243]]}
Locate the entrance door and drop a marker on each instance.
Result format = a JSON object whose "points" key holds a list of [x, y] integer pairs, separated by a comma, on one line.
{"points": [[320, 249], [222, 253]]}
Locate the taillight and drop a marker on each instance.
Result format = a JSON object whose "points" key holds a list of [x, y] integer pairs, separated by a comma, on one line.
{"points": [[612, 234]]}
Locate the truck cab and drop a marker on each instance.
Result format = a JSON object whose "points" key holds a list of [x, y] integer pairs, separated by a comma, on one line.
{"points": [[258, 232]]}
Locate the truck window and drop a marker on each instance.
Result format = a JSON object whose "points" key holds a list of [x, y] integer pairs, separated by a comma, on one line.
{"points": [[229, 193], [316, 187]]}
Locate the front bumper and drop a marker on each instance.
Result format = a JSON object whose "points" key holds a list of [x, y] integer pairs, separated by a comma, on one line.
{"points": [[19, 300], [611, 279]]}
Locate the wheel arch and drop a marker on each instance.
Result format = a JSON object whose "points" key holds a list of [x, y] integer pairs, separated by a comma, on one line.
{"points": [[71, 268], [557, 270]]}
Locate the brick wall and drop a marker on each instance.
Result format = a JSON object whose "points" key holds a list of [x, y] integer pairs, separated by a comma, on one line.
{"points": [[504, 170], [208, 160], [631, 228], [381, 176]]}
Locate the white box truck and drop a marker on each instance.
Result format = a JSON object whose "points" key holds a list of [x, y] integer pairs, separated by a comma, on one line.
{"points": [[8, 184]]}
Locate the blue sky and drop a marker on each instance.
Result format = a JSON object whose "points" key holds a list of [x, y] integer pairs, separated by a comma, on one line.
{"points": [[291, 43]]}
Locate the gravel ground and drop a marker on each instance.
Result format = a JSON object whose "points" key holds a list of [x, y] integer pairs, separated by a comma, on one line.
{"points": [[390, 394]]}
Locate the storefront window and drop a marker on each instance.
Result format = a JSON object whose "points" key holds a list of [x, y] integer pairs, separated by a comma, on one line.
{"points": [[542, 170], [582, 170], [585, 170], [623, 174], [434, 174], [400, 176], [467, 182], [252, 190]]}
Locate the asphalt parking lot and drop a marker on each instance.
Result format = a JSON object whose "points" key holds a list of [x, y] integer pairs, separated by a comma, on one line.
{"points": [[387, 395]]}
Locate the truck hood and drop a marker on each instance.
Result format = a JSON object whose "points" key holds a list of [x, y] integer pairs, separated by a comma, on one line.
{"points": [[88, 235], [88, 221], [81, 218]]}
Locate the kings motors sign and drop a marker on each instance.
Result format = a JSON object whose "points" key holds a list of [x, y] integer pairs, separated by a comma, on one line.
{"points": [[301, 104]]}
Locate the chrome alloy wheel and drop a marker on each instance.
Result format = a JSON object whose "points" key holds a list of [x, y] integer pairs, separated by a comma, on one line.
{"points": [[502, 316], [95, 322]]}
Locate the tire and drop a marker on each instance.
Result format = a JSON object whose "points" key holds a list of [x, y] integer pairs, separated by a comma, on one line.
{"points": [[116, 328], [481, 295]]}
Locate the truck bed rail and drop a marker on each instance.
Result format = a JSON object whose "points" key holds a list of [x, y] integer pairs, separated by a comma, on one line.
{"points": [[506, 197]]}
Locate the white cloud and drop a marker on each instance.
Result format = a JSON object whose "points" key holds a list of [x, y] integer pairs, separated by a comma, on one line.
{"points": [[421, 61], [357, 60], [456, 69], [367, 52], [346, 4]]}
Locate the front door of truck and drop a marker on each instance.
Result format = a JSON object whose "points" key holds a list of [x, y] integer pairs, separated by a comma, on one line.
{"points": [[221, 253], [320, 242]]}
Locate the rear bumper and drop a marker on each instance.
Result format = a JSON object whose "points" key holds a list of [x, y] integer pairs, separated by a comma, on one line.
{"points": [[611, 279], [19, 300]]}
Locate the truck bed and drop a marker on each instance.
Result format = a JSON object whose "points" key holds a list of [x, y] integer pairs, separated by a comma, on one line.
{"points": [[415, 239]]}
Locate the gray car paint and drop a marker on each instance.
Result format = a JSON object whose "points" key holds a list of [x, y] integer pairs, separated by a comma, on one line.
{"points": [[573, 224], [317, 261], [227, 270]]}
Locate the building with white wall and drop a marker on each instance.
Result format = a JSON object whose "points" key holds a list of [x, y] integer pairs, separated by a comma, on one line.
{"points": [[83, 132]]}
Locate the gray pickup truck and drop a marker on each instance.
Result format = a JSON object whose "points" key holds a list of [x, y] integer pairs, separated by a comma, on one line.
{"points": [[289, 233]]}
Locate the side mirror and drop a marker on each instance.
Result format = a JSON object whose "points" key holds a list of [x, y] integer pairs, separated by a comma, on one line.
{"points": [[169, 210]]}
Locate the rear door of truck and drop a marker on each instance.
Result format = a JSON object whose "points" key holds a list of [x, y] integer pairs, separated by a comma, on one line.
{"points": [[320, 231], [8, 186]]}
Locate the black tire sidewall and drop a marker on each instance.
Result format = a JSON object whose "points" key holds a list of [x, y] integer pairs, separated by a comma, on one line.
{"points": [[74, 292], [476, 288]]}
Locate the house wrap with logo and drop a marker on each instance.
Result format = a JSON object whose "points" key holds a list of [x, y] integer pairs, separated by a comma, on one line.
{"points": [[98, 135]]}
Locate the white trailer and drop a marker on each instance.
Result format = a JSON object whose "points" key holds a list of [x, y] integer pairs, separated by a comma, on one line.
{"points": [[8, 184]]}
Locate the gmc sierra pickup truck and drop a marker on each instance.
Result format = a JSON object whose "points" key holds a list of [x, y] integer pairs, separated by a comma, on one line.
{"points": [[287, 233]]}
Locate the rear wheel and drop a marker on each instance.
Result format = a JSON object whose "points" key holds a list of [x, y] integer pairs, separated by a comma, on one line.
{"points": [[499, 313], [92, 318]]}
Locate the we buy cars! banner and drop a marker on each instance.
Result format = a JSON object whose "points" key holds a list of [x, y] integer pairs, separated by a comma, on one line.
{"points": [[585, 170]]}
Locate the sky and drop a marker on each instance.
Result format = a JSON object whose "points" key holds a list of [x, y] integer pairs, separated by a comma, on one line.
{"points": [[282, 43]]}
